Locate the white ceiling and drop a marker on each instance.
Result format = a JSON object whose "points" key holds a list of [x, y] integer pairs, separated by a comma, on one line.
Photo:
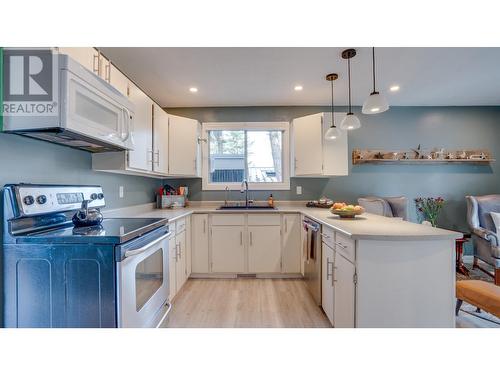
{"points": [[267, 76]]}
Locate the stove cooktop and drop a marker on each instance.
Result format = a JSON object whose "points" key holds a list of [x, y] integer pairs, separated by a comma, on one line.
{"points": [[116, 230]]}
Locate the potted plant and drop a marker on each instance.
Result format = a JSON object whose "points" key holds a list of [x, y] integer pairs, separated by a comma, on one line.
{"points": [[429, 208]]}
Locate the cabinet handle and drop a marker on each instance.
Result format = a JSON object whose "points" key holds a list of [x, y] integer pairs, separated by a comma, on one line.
{"points": [[241, 238], [107, 72], [251, 238], [204, 226], [286, 225], [324, 235], [341, 245], [328, 273], [96, 63], [176, 252], [157, 154], [150, 152], [180, 252]]}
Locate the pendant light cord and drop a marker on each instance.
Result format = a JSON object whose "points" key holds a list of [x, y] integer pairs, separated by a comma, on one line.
{"points": [[333, 117], [349, 75], [373, 67]]}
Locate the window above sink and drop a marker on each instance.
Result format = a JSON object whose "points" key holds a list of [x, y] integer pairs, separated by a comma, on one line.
{"points": [[255, 151]]}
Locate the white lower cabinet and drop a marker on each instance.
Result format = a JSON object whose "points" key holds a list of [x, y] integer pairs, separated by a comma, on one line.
{"points": [[292, 256], [327, 264], [344, 292], [228, 249], [246, 243], [200, 260], [264, 250], [338, 279], [180, 269], [172, 265], [179, 255]]}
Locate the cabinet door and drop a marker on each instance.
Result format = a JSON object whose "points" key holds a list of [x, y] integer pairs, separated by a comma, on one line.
{"points": [[344, 292], [104, 68], [180, 269], [160, 140], [308, 145], [119, 80], [172, 264], [141, 156], [183, 146], [291, 243], [327, 281], [188, 247], [264, 249], [199, 248], [87, 56], [228, 249], [335, 152]]}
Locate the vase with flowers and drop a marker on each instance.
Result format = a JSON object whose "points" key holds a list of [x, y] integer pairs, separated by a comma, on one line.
{"points": [[429, 208]]}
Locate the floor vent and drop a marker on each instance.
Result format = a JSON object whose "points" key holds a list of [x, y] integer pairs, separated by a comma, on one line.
{"points": [[246, 276]]}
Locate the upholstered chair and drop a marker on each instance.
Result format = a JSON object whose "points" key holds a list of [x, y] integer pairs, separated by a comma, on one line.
{"points": [[386, 206], [484, 232]]}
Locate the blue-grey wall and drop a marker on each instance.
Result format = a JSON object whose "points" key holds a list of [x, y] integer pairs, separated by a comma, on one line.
{"points": [[27, 160], [398, 128]]}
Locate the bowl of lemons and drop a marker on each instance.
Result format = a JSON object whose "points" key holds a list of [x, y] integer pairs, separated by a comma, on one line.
{"points": [[346, 211]]}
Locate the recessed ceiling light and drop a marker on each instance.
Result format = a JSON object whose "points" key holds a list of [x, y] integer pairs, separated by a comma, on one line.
{"points": [[193, 89], [394, 88], [298, 88], [375, 109]]}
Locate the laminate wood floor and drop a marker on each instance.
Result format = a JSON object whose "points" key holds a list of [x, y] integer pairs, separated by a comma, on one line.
{"points": [[245, 303]]}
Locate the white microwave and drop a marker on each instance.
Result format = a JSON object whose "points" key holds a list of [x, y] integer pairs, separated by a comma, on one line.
{"points": [[91, 114]]}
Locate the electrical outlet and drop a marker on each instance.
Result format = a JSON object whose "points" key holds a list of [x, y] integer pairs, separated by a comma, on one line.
{"points": [[299, 190], [120, 192]]}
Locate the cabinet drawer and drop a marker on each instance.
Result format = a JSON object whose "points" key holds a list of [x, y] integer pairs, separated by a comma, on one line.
{"points": [[345, 246], [180, 225], [264, 219], [328, 235], [228, 219]]}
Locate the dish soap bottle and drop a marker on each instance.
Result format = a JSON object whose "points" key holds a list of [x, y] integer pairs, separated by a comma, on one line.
{"points": [[270, 201]]}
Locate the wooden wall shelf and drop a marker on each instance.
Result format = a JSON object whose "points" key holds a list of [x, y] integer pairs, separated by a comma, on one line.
{"points": [[427, 157]]}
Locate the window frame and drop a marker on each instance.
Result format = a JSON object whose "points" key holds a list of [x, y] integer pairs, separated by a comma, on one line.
{"points": [[257, 126]]}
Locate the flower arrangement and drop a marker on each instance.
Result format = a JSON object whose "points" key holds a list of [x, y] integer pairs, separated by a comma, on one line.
{"points": [[429, 208]]}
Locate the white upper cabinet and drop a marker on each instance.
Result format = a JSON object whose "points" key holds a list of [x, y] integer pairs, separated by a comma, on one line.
{"points": [[141, 157], [119, 80], [160, 140], [183, 146], [87, 56], [313, 155], [307, 142]]}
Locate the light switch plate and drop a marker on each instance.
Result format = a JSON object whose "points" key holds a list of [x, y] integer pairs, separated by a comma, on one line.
{"points": [[299, 190], [120, 192]]}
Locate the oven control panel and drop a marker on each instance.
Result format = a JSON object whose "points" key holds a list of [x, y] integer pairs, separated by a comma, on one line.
{"points": [[43, 199]]}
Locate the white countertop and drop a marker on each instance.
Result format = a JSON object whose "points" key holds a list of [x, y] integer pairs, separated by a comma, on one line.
{"points": [[363, 227]]}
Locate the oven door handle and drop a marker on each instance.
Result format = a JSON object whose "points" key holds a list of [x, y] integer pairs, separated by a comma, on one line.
{"points": [[140, 250]]}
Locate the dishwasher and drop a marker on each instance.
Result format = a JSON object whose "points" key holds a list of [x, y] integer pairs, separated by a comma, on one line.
{"points": [[312, 258]]}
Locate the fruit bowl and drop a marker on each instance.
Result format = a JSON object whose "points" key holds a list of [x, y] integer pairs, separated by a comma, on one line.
{"points": [[346, 211]]}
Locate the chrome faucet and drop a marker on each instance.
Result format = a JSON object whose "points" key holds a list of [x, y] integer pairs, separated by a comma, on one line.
{"points": [[244, 189]]}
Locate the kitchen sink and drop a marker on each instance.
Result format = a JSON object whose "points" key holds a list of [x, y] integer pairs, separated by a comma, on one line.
{"points": [[251, 207]]}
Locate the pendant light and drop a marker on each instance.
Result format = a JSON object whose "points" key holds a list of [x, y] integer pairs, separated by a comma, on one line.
{"points": [[333, 132], [375, 103], [350, 121]]}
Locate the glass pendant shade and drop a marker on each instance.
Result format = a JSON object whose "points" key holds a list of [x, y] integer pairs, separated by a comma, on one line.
{"points": [[332, 133], [375, 103], [350, 122]]}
